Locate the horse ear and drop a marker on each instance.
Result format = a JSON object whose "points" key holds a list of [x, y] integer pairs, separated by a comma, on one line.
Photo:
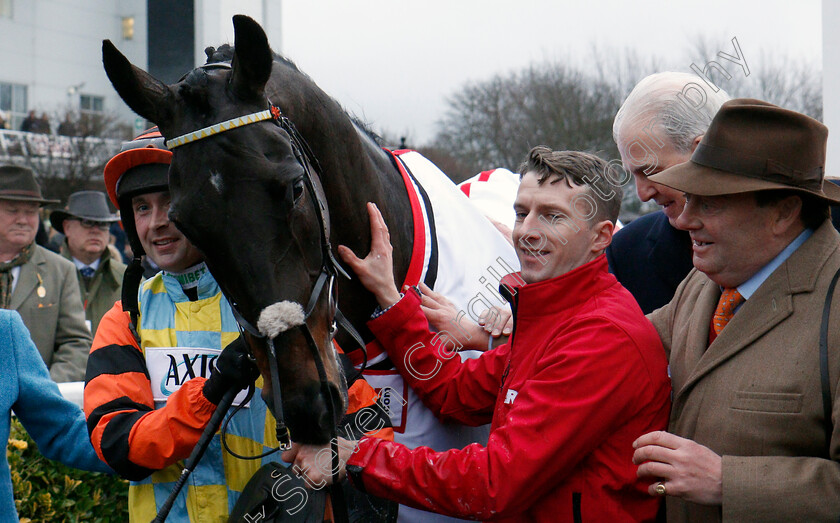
{"points": [[146, 95], [252, 58]]}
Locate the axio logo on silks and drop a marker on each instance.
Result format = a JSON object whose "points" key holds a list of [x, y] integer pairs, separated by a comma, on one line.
{"points": [[171, 367]]}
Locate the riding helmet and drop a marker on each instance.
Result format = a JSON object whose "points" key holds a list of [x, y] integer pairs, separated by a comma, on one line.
{"points": [[141, 166]]}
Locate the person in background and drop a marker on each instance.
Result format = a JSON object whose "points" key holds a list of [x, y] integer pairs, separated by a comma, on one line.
{"points": [[85, 225], [44, 126], [30, 123], [39, 284], [120, 241], [654, 129], [67, 127], [42, 237], [57, 425]]}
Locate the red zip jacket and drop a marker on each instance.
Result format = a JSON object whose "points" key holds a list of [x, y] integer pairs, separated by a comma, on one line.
{"points": [[583, 376]]}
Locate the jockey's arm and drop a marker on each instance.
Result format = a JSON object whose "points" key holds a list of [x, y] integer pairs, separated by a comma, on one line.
{"points": [[126, 431]]}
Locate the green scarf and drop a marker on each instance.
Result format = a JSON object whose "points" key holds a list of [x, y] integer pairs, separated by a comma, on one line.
{"points": [[6, 274]]}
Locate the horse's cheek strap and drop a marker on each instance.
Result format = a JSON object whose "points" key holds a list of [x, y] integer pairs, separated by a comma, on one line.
{"points": [[283, 436], [337, 494]]}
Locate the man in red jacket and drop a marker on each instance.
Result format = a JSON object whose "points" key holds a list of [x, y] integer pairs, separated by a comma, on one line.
{"points": [[583, 375]]}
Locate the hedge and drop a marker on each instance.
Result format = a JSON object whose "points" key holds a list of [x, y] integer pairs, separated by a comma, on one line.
{"points": [[49, 491]]}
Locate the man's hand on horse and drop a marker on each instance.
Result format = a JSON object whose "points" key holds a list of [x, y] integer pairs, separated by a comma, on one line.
{"points": [[376, 270], [444, 315], [314, 463]]}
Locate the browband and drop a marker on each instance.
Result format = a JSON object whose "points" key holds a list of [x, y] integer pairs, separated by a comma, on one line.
{"points": [[272, 113]]}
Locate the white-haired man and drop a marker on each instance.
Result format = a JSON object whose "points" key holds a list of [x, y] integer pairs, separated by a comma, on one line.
{"points": [[659, 125]]}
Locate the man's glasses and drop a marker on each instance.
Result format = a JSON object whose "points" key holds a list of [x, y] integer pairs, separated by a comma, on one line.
{"points": [[90, 224]]}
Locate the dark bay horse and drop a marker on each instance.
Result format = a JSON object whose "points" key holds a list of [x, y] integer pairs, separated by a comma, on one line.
{"points": [[241, 192], [241, 199]]}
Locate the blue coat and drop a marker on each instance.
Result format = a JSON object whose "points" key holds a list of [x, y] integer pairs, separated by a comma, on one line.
{"points": [[57, 425], [650, 259]]}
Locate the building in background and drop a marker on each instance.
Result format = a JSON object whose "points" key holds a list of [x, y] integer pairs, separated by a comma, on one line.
{"points": [[52, 62]]}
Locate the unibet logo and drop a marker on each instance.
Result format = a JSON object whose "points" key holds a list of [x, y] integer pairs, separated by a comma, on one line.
{"points": [[190, 277]]}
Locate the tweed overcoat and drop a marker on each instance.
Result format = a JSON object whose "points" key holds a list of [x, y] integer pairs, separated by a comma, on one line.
{"points": [[753, 396], [57, 319]]}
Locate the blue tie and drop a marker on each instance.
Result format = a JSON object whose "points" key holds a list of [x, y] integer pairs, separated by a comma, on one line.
{"points": [[87, 273]]}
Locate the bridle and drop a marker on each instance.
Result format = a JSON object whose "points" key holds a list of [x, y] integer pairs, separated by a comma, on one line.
{"points": [[330, 268]]}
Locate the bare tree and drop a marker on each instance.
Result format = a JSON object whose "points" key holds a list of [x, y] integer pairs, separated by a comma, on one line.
{"points": [[778, 78], [494, 123]]}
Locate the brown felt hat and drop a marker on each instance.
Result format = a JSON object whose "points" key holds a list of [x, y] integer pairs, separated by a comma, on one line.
{"points": [[18, 184], [84, 205], [752, 145]]}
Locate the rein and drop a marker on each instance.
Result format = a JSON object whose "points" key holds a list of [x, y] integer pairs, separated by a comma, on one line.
{"points": [[330, 268]]}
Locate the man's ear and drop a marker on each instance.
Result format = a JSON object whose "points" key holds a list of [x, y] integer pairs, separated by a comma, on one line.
{"points": [[602, 236], [696, 142], [788, 214]]}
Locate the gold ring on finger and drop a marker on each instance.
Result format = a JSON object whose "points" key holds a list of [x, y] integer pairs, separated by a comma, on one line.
{"points": [[660, 489]]}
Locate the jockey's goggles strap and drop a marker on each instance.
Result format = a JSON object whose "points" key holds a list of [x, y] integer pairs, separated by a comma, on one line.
{"points": [[272, 113]]}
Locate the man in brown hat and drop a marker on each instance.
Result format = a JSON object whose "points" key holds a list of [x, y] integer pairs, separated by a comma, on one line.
{"points": [[37, 283], [85, 225], [751, 436]]}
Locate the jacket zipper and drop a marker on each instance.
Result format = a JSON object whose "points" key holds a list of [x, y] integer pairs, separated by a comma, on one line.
{"points": [[513, 306]]}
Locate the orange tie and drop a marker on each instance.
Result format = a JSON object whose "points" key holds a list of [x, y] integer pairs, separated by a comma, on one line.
{"points": [[729, 300]]}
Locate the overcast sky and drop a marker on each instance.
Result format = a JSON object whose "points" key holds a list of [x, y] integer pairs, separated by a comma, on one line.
{"points": [[394, 63]]}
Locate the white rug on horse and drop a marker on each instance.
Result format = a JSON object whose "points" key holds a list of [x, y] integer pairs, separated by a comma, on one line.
{"points": [[463, 256]]}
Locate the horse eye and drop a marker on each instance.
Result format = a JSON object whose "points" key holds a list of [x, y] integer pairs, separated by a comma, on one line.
{"points": [[297, 189]]}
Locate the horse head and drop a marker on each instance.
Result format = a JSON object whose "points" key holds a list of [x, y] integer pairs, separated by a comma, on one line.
{"points": [[247, 195]]}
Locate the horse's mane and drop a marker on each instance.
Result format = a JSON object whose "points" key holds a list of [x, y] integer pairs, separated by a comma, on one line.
{"points": [[224, 53]]}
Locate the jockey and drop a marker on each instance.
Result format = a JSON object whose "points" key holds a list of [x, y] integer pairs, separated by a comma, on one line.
{"points": [[150, 390]]}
